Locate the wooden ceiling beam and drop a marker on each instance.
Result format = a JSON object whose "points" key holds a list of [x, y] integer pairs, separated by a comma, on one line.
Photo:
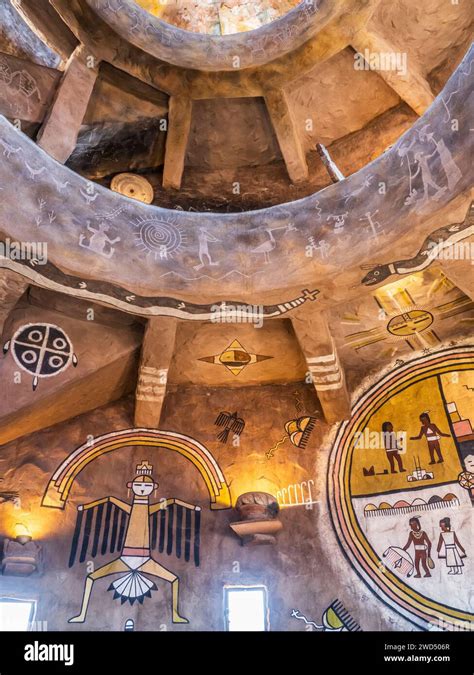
{"points": [[45, 22], [101, 387], [410, 84], [325, 369], [60, 129], [93, 383], [157, 352], [460, 271], [12, 287]]}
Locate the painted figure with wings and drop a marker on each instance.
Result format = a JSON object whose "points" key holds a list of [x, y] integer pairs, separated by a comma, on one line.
{"points": [[231, 423], [142, 528]]}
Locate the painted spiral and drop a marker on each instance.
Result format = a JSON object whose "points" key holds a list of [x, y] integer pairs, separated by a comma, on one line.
{"points": [[159, 237]]}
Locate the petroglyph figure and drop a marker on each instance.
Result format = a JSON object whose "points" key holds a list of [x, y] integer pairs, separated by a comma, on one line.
{"points": [[205, 238], [99, 241]]}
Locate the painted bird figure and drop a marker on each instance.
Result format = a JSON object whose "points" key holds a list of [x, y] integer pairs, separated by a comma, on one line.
{"points": [[230, 422]]}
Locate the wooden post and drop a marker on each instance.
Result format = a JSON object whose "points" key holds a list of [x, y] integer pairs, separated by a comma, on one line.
{"points": [[411, 85], [287, 135], [179, 126]]}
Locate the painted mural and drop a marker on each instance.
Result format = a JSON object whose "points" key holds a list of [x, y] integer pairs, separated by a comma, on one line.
{"points": [[235, 358], [401, 489], [231, 423], [59, 487], [297, 431], [42, 350], [134, 539], [336, 619], [135, 530], [415, 313], [438, 244]]}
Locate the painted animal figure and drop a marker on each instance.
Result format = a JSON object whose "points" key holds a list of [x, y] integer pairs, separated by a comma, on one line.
{"points": [[268, 246], [8, 149], [231, 423], [432, 246]]}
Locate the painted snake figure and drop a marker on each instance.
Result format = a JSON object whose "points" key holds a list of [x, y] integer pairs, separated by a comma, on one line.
{"points": [[51, 277], [438, 240]]}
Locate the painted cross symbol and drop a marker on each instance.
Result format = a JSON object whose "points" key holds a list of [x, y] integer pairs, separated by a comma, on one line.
{"points": [[310, 295]]}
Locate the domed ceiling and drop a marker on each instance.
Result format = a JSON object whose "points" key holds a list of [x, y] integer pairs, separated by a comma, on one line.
{"points": [[218, 17], [240, 192]]}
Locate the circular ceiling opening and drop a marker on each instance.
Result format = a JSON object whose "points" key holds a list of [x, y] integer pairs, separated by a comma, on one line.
{"points": [[218, 17]]}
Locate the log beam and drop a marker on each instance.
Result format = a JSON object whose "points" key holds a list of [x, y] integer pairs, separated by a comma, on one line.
{"points": [[411, 85], [60, 129], [327, 373], [157, 352], [45, 22]]}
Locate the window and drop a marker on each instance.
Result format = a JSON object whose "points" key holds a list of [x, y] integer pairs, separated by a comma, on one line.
{"points": [[246, 608], [15, 614]]}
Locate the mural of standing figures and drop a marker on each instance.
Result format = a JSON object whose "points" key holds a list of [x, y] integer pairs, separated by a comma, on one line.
{"points": [[449, 548], [422, 545], [392, 447], [433, 434], [135, 560]]}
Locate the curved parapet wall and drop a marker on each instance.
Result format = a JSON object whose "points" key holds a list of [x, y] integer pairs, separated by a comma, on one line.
{"points": [[205, 52], [131, 249]]}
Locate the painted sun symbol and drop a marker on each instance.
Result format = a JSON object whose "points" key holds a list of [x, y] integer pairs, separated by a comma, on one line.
{"points": [[158, 237]]}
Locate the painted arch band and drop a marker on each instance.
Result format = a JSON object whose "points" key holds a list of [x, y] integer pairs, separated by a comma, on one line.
{"points": [[59, 487]]}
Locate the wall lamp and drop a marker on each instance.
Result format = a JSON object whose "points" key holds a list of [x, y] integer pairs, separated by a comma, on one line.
{"points": [[22, 557]]}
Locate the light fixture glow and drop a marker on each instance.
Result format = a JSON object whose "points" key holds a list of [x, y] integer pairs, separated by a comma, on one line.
{"points": [[22, 534]]}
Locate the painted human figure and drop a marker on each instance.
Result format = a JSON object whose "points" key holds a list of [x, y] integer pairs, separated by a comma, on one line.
{"points": [[426, 176], [466, 478], [453, 174], [99, 241], [392, 447], [433, 434], [449, 547], [422, 545], [135, 560], [205, 238]]}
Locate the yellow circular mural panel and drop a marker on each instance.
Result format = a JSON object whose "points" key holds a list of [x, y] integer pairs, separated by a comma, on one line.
{"points": [[400, 501]]}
